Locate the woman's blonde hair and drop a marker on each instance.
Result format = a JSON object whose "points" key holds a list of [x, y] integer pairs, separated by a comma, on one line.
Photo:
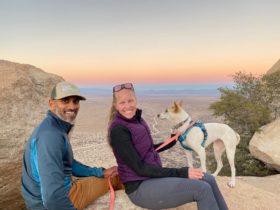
{"points": [[113, 110], [112, 115]]}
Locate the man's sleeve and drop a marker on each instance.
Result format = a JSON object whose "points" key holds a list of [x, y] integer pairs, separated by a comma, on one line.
{"points": [[81, 170], [49, 160]]}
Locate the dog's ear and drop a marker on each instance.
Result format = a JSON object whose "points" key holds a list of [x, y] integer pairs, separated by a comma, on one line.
{"points": [[180, 103], [176, 106]]}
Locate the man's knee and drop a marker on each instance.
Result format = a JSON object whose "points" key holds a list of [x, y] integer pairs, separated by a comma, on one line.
{"points": [[116, 183]]}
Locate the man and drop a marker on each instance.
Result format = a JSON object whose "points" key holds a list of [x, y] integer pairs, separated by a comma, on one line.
{"points": [[48, 162]]}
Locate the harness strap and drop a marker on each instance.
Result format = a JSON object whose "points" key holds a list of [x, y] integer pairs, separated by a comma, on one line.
{"points": [[176, 137], [183, 137], [185, 146], [112, 195], [203, 129]]}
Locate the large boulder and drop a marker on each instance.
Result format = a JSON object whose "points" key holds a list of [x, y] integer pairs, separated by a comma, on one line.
{"points": [[24, 94], [265, 144]]}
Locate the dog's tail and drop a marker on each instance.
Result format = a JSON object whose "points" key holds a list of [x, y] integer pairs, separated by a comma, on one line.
{"points": [[237, 138]]}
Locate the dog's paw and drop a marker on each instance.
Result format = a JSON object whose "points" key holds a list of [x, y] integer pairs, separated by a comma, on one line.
{"points": [[231, 184]]}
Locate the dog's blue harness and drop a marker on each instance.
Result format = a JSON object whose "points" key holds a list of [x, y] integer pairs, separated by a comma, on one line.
{"points": [[183, 137]]}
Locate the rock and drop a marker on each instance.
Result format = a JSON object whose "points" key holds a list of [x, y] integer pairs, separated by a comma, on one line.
{"points": [[24, 94], [123, 202], [265, 144], [244, 196], [274, 68]]}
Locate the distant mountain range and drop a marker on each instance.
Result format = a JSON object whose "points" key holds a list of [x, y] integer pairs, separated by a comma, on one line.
{"points": [[187, 89], [203, 89]]}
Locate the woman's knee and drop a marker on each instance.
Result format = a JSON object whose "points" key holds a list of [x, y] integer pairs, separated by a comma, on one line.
{"points": [[206, 198], [209, 178], [203, 190]]}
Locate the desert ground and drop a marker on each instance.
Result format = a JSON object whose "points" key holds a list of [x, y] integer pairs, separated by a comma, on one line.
{"points": [[93, 114]]}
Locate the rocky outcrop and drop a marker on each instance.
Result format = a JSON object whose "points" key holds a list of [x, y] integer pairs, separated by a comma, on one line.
{"points": [[265, 144], [24, 94], [245, 196], [274, 68]]}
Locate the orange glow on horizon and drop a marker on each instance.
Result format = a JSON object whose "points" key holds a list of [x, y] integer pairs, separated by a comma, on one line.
{"points": [[138, 76], [153, 72]]}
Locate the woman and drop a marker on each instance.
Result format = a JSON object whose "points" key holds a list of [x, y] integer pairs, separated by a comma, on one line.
{"points": [[147, 183]]}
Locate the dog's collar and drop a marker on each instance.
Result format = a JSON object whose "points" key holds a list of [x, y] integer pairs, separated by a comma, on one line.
{"points": [[180, 124]]}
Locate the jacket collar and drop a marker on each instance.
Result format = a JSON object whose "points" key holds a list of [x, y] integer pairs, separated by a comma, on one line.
{"points": [[65, 126]]}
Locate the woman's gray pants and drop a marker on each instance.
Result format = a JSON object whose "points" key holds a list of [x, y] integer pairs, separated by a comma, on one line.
{"points": [[170, 192]]}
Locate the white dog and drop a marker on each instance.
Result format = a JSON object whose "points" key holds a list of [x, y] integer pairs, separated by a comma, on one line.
{"points": [[221, 135]]}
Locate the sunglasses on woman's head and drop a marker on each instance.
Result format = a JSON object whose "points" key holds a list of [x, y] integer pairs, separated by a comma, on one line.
{"points": [[123, 86]]}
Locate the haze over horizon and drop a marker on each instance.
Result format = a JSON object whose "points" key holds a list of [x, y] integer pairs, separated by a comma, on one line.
{"points": [[107, 42]]}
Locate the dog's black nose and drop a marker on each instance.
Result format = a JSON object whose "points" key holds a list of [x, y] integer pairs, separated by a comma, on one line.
{"points": [[158, 115]]}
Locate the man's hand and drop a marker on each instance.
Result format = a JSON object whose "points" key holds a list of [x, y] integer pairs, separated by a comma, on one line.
{"points": [[110, 172], [195, 173]]}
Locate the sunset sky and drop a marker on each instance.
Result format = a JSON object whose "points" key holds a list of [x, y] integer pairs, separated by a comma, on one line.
{"points": [[144, 41]]}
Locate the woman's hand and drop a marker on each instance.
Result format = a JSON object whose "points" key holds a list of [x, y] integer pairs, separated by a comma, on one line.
{"points": [[110, 172], [195, 173]]}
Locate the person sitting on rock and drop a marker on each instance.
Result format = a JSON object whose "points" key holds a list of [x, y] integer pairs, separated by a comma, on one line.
{"points": [[48, 162], [147, 183]]}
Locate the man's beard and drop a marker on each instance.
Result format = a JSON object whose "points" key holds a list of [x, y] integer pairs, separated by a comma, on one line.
{"points": [[62, 118]]}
